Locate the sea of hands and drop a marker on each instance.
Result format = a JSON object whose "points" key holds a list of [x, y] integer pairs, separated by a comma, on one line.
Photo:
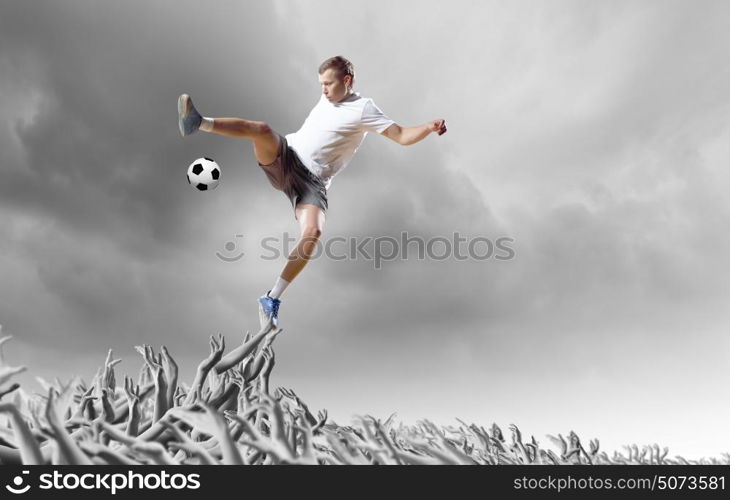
{"points": [[228, 415]]}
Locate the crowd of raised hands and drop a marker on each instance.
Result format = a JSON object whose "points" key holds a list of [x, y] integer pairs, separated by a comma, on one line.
{"points": [[229, 415]]}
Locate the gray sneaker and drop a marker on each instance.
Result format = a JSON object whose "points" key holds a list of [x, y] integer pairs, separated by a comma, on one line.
{"points": [[188, 117]]}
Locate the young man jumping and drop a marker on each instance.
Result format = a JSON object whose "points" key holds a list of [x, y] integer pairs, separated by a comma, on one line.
{"points": [[303, 163]]}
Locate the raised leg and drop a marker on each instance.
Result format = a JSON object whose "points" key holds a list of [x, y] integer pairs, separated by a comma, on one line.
{"points": [[265, 140]]}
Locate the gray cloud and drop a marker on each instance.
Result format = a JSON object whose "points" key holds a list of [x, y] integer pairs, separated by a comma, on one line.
{"points": [[594, 135]]}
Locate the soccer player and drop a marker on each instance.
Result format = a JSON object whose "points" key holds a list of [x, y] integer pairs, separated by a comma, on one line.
{"points": [[302, 164]]}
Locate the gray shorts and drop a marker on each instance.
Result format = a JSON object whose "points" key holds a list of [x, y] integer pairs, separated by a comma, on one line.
{"points": [[288, 174]]}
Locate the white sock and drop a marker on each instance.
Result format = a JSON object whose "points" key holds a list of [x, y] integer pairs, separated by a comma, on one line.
{"points": [[206, 125], [279, 288]]}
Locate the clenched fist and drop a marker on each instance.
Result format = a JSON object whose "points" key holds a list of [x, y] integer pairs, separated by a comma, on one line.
{"points": [[438, 126]]}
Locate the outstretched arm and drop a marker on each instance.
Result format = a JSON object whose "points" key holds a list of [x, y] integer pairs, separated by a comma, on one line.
{"points": [[405, 136]]}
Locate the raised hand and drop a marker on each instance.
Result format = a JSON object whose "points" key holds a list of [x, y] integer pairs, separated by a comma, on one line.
{"points": [[289, 393], [517, 444], [576, 448], [133, 400], [144, 376], [270, 337], [241, 375], [7, 371], [452, 451], [155, 365], [258, 362], [107, 410], [67, 447], [107, 380], [217, 346], [438, 126], [378, 443], [560, 441], [231, 453], [322, 419], [269, 362], [180, 396], [170, 368], [276, 445], [594, 445], [308, 454], [216, 353], [244, 401], [148, 356], [239, 353], [84, 400], [30, 451]]}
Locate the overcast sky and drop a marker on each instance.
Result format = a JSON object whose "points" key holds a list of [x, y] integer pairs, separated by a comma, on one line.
{"points": [[594, 134]]}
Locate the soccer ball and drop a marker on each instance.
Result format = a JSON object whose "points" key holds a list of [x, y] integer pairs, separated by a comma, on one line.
{"points": [[204, 174]]}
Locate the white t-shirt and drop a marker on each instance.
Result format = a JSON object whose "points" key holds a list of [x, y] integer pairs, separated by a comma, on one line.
{"points": [[329, 137]]}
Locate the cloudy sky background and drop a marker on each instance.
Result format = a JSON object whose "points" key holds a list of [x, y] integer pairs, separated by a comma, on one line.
{"points": [[594, 134]]}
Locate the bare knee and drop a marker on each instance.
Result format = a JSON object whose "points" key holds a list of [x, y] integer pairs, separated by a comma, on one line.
{"points": [[263, 128], [311, 233], [308, 241], [266, 143]]}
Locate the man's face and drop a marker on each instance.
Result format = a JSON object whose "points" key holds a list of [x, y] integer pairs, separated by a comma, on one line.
{"points": [[333, 88]]}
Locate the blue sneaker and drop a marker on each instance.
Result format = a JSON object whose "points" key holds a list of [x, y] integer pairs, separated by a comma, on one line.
{"points": [[188, 117], [270, 306]]}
